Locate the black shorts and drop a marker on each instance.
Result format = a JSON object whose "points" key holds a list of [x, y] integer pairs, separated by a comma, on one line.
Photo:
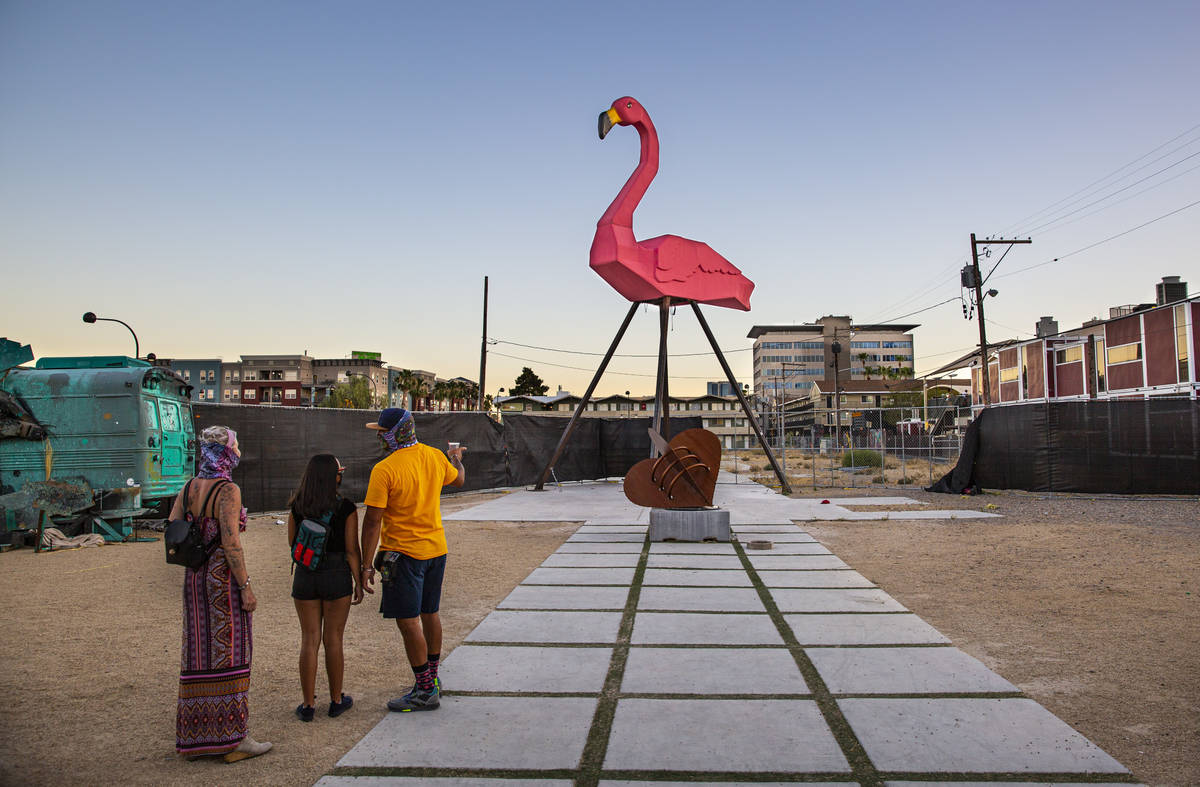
{"points": [[416, 588], [330, 581]]}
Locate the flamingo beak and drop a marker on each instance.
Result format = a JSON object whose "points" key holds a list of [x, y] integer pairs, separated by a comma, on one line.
{"points": [[607, 121]]}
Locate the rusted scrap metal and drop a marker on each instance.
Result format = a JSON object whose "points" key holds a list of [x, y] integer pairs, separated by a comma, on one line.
{"points": [[684, 476], [57, 498], [16, 420]]}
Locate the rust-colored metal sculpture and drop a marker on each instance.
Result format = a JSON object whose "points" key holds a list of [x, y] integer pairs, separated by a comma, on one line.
{"points": [[684, 476]]}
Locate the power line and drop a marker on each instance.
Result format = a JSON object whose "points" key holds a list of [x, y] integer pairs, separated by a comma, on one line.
{"points": [[608, 372], [1101, 242], [1104, 178], [1120, 201], [1113, 194], [615, 355]]}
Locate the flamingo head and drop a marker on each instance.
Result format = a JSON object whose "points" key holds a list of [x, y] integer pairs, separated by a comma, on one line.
{"points": [[625, 111]]}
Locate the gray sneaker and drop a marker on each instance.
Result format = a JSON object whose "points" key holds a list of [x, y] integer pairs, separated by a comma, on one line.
{"points": [[416, 699]]}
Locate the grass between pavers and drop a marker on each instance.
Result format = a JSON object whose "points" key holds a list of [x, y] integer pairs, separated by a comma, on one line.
{"points": [[860, 764], [596, 747], [591, 770]]}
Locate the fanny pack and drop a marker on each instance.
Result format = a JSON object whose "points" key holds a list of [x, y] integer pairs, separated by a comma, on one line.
{"points": [[311, 537]]}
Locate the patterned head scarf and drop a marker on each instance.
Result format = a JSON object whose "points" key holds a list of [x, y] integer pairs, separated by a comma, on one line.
{"points": [[403, 434], [217, 457]]}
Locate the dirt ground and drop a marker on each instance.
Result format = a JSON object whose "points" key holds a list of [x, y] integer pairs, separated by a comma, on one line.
{"points": [[805, 469], [90, 638], [1088, 605]]}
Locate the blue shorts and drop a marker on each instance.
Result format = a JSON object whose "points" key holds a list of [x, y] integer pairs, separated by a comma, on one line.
{"points": [[415, 589]]}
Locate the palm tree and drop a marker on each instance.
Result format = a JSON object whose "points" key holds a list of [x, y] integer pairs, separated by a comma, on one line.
{"points": [[454, 391], [406, 381], [440, 392], [862, 357], [470, 393]]}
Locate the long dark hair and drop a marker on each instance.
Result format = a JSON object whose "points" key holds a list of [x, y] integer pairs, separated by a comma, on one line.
{"points": [[317, 492]]}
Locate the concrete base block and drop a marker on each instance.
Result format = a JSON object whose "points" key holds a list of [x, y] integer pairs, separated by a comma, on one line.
{"points": [[703, 524]]}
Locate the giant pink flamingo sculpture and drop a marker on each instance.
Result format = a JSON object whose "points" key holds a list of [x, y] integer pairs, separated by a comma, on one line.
{"points": [[666, 266], [667, 270]]}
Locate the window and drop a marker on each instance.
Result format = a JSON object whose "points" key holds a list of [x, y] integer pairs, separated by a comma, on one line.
{"points": [[808, 345], [228, 393], [777, 345], [187, 375], [211, 376], [169, 412], [150, 413], [1100, 366], [897, 344], [866, 400], [1125, 353], [237, 393], [864, 345], [1181, 343], [1069, 355], [227, 374], [289, 393], [249, 393], [251, 374], [1010, 375]]}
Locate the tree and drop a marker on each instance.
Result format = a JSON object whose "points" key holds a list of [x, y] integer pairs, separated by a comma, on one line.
{"points": [[528, 384], [355, 394], [867, 370], [441, 391], [406, 381]]}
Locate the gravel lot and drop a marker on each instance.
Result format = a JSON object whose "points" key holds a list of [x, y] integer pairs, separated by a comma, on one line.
{"points": [[1088, 605], [91, 641]]}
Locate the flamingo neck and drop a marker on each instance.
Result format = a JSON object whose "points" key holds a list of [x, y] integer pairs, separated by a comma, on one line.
{"points": [[620, 212]]}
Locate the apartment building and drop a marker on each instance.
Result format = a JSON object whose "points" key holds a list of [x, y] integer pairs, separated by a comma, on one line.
{"points": [[284, 380], [328, 372], [203, 374], [789, 359]]}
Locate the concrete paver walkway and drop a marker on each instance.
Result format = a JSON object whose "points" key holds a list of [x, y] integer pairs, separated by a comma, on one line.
{"points": [[660, 663]]}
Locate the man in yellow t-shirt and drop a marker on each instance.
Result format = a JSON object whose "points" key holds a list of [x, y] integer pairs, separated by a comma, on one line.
{"points": [[404, 520]]}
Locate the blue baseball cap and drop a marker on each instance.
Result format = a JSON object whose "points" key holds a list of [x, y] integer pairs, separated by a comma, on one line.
{"points": [[388, 419]]}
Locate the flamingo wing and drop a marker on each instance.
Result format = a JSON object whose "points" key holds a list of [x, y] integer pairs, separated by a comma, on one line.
{"points": [[678, 259]]}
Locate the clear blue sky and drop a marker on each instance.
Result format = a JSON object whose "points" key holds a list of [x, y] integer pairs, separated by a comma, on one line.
{"points": [[278, 177]]}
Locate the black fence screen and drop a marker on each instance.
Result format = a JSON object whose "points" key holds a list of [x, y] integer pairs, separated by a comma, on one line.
{"points": [[277, 442], [1125, 447]]}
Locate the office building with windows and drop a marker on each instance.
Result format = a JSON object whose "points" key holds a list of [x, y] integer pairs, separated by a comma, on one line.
{"points": [[788, 359]]}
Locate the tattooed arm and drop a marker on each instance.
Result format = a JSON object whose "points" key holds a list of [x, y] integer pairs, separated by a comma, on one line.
{"points": [[229, 506]]}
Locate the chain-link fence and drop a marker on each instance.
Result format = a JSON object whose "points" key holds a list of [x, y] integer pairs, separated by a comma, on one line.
{"points": [[856, 447]]}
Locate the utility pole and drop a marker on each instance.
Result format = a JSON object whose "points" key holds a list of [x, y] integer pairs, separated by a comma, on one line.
{"points": [[977, 281], [483, 347], [836, 349]]}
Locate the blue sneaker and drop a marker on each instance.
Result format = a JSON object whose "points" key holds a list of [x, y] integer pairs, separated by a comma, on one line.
{"points": [[416, 699]]}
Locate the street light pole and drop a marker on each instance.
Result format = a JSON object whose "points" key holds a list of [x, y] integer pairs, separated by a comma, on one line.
{"points": [[371, 380], [90, 317]]}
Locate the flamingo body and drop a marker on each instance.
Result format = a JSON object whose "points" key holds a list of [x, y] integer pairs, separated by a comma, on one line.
{"points": [[666, 266]]}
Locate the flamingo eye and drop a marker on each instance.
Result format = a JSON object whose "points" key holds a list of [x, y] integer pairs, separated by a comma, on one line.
{"points": [[629, 105]]}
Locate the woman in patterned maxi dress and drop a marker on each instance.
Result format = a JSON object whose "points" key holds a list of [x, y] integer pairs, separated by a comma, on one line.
{"points": [[214, 678]]}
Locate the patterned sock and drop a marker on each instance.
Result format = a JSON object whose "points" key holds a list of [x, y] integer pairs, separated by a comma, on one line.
{"points": [[424, 677], [434, 659]]}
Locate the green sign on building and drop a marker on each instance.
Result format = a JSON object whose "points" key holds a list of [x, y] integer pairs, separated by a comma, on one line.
{"points": [[366, 356]]}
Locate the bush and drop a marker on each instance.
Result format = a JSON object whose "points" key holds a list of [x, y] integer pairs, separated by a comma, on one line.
{"points": [[862, 457]]}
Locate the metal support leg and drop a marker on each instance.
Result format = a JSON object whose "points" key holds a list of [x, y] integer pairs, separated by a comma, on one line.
{"points": [[662, 397], [562, 441], [737, 389]]}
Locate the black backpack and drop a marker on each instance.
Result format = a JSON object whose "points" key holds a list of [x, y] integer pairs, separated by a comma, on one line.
{"points": [[184, 538]]}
